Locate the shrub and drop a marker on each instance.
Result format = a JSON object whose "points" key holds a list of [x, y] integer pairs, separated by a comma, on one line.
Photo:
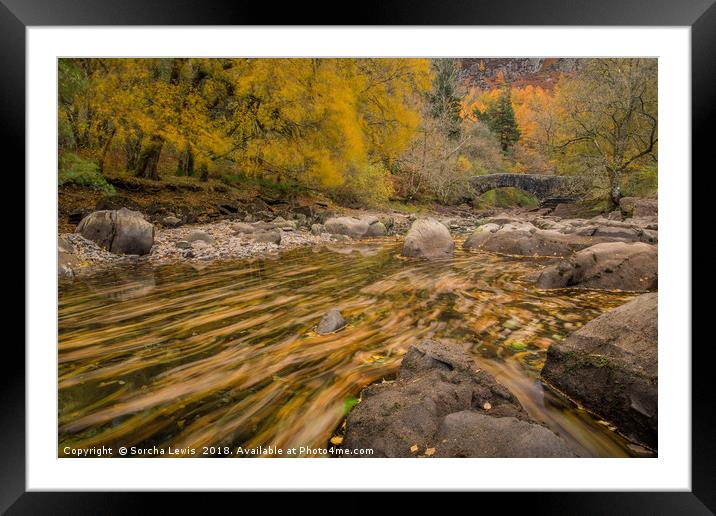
{"points": [[81, 172], [372, 186]]}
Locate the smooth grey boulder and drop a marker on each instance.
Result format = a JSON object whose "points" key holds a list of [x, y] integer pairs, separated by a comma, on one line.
{"points": [[438, 398], [332, 321], [349, 226], [120, 231], [428, 238], [610, 266], [610, 366], [198, 235], [269, 237]]}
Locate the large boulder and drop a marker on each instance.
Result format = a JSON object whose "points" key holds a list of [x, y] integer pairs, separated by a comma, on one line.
{"points": [[523, 240], [349, 226], [119, 231], [428, 238], [646, 208], [626, 205], [610, 367], [441, 405], [611, 266]]}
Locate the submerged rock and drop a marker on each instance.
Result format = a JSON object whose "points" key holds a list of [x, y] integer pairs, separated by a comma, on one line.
{"points": [[610, 367], [428, 238], [612, 266], [442, 403], [121, 232], [331, 321]]}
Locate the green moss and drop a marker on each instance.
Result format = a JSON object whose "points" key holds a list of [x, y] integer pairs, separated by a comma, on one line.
{"points": [[81, 172], [348, 404]]}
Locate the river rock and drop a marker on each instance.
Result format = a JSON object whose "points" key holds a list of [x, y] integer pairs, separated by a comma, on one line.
{"points": [[615, 215], [121, 232], [349, 226], [196, 235], [428, 238], [646, 208], [376, 229], [626, 205], [182, 244], [611, 265], [331, 321], [442, 403], [171, 221], [271, 237], [522, 239], [610, 367], [67, 260], [242, 228]]}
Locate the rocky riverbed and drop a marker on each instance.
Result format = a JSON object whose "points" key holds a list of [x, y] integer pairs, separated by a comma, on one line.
{"points": [[440, 404]]}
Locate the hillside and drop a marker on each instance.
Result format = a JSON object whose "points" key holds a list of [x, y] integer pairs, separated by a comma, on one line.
{"points": [[486, 73]]}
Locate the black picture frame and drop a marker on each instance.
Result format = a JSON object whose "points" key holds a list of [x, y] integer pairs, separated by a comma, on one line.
{"points": [[700, 15]]}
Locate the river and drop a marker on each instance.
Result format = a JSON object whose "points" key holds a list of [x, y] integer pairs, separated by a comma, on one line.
{"points": [[225, 354]]}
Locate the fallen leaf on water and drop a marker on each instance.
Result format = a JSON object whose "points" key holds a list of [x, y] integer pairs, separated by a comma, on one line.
{"points": [[336, 440], [414, 448], [429, 452], [487, 406]]}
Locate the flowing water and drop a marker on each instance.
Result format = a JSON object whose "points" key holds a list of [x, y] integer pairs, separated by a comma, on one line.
{"points": [[187, 356]]}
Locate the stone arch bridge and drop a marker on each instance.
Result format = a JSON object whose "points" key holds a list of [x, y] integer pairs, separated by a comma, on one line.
{"points": [[549, 190]]}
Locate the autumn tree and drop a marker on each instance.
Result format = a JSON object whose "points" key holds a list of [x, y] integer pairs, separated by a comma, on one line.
{"points": [[608, 121]]}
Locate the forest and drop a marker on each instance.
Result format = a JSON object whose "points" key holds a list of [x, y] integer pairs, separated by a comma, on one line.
{"points": [[365, 132], [358, 257]]}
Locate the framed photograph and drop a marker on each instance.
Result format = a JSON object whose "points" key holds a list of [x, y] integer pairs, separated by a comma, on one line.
{"points": [[303, 257]]}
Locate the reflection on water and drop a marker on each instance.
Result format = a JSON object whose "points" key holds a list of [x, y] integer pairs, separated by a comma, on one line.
{"points": [[225, 354]]}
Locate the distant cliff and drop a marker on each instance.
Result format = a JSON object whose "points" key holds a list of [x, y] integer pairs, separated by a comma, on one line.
{"points": [[486, 73]]}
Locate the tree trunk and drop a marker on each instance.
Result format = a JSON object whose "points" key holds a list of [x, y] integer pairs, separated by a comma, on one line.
{"points": [[132, 148], [185, 167], [204, 172], [615, 192], [105, 149], [149, 158]]}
